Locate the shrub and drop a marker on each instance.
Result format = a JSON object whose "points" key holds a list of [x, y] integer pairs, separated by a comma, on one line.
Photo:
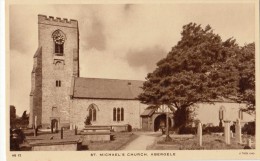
{"points": [[249, 128], [212, 129], [205, 130], [17, 137], [87, 121], [184, 116], [129, 128], [188, 130]]}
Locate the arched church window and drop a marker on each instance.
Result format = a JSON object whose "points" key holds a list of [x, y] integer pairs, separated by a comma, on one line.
{"points": [[94, 115], [59, 39], [114, 114], [240, 114], [122, 114], [92, 112], [118, 114]]}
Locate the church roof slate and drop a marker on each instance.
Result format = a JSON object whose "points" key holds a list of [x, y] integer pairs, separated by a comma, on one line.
{"points": [[99, 88]]}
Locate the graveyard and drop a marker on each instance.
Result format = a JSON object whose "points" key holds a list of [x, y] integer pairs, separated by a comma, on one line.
{"points": [[94, 138], [70, 140], [198, 136], [190, 142], [228, 134]]}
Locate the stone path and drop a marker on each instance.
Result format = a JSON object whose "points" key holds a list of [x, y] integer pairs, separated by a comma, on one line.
{"points": [[141, 142]]}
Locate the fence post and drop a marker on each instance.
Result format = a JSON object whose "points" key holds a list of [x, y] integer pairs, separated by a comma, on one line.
{"points": [[61, 133], [76, 130], [35, 131]]}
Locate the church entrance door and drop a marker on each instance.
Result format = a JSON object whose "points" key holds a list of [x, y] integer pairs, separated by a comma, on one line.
{"points": [[54, 125], [160, 122]]}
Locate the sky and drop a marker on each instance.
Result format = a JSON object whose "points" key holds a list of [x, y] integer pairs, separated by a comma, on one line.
{"points": [[119, 41]]}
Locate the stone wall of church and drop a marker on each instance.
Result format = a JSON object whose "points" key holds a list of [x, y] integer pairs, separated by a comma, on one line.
{"points": [[56, 100], [132, 111], [209, 113], [36, 89]]}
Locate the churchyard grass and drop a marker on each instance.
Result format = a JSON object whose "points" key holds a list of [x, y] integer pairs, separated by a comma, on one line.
{"points": [[209, 142], [120, 139]]}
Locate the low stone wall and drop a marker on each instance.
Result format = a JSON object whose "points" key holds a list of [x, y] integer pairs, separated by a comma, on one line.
{"points": [[56, 145]]}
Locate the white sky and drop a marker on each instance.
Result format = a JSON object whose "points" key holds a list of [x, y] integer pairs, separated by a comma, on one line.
{"points": [[119, 41]]}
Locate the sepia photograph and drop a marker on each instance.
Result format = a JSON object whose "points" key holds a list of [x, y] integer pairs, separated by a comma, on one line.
{"points": [[141, 80]]}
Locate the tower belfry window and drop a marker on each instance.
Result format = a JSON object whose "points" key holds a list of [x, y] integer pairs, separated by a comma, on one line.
{"points": [[58, 83], [59, 39], [59, 49]]}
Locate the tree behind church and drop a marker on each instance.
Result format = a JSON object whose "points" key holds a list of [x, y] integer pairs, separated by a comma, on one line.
{"points": [[200, 68], [245, 63]]}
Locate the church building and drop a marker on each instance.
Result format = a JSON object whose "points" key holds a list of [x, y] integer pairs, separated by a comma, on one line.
{"points": [[59, 95]]}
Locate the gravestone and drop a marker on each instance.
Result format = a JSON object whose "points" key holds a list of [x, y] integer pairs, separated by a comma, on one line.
{"points": [[199, 133], [56, 145], [238, 132], [227, 131], [231, 134], [222, 115], [249, 143]]}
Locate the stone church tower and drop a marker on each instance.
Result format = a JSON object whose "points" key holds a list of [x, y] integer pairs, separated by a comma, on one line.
{"points": [[56, 62]]}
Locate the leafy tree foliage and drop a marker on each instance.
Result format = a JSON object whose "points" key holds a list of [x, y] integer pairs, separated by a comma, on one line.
{"points": [[24, 116], [87, 121], [200, 68], [245, 63]]}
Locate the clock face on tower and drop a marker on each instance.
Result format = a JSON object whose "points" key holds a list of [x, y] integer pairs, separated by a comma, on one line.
{"points": [[58, 37]]}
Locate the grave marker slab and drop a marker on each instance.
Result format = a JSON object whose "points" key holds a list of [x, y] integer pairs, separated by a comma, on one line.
{"points": [[199, 133], [227, 131], [238, 132]]}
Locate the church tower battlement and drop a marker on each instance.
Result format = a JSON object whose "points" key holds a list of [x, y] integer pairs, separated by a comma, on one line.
{"points": [[55, 63], [43, 19]]}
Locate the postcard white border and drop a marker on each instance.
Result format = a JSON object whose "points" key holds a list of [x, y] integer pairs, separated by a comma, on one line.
{"points": [[86, 155]]}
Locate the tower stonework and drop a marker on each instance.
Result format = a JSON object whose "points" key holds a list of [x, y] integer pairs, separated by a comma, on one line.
{"points": [[55, 63]]}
